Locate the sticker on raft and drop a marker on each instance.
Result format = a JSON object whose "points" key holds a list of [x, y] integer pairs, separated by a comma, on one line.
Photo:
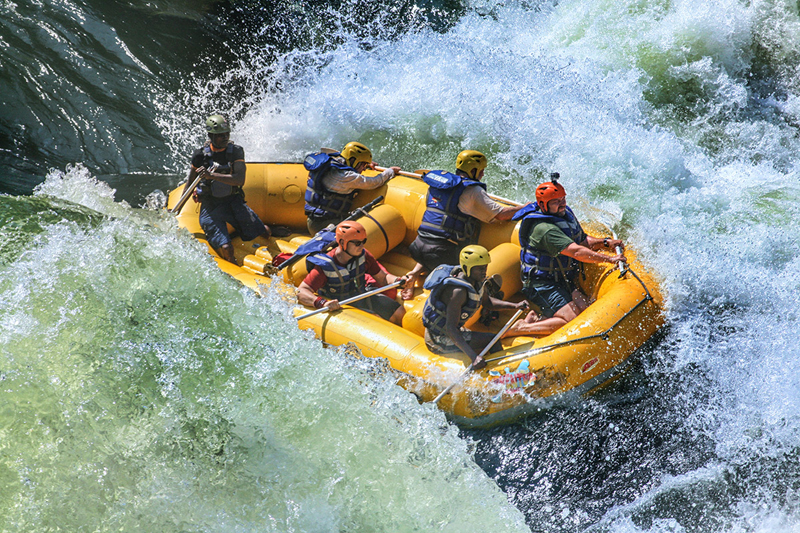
{"points": [[514, 380], [590, 364]]}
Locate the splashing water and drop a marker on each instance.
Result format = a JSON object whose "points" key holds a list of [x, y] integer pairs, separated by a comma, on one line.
{"points": [[139, 381], [127, 381]]}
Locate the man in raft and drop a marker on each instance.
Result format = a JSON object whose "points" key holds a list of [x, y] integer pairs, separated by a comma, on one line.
{"points": [[455, 296], [334, 179], [341, 274], [456, 204], [220, 191], [553, 248]]}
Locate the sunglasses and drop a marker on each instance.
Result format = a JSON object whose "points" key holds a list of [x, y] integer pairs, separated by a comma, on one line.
{"points": [[359, 243]]}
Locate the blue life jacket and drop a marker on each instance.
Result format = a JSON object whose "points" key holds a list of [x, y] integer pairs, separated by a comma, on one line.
{"points": [[213, 188], [343, 281], [536, 263], [320, 202], [442, 217], [434, 314]]}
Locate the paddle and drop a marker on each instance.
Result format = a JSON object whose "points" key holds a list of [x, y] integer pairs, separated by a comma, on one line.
{"points": [[188, 193], [488, 346], [355, 298], [420, 176], [623, 266], [322, 240]]}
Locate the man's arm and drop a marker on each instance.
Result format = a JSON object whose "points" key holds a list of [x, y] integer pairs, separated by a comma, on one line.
{"points": [[307, 296], [597, 243], [346, 182], [235, 178], [385, 278], [477, 203], [508, 212], [586, 255], [457, 300], [496, 304]]}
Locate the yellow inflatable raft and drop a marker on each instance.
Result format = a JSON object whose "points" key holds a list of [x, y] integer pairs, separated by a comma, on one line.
{"points": [[581, 356]]}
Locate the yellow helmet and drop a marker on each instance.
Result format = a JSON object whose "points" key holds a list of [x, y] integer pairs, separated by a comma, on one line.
{"points": [[355, 153], [471, 162], [472, 256]]}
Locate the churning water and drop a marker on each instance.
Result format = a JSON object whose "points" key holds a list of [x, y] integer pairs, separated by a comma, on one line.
{"points": [[139, 385]]}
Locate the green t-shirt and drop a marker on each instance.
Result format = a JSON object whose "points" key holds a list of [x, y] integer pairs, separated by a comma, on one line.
{"points": [[549, 238]]}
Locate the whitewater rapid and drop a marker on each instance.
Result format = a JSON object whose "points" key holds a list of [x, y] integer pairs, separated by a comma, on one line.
{"points": [[140, 384]]}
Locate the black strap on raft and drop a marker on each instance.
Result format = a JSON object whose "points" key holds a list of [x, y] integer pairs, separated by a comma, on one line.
{"points": [[355, 213], [380, 227]]}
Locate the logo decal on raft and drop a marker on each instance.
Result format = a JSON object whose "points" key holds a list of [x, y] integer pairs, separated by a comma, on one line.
{"points": [[590, 364], [513, 380]]}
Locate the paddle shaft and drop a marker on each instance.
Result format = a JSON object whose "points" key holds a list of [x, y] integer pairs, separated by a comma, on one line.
{"points": [[359, 211], [419, 177], [486, 349], [392, 285], [623, 266], [187, 193]]}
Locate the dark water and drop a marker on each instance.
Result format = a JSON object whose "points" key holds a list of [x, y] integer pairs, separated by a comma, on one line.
{"points": [[139, 385]]}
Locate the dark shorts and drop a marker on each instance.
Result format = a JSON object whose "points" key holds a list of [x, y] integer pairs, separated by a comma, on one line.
{"points": [[442, 344], [549, 298], [379, 304], [216, 214], [431, 253], [315, 225]]}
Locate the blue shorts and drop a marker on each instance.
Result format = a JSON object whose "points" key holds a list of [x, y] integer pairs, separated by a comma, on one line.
{"points": [[216, 214], [548, 297]]}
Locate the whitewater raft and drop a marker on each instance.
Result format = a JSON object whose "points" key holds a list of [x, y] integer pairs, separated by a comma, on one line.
{"points": [[575, 360]]}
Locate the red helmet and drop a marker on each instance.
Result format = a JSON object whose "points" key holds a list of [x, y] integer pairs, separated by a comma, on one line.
{"points": [[349, 230], [549, 190]]}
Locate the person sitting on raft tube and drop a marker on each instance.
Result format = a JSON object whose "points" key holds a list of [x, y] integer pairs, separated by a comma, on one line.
{"points": [[455, 206], [220, 191], [334, 179], [341, 274], [553, 248], [456, 294]]}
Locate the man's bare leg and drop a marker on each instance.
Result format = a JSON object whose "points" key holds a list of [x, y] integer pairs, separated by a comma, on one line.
{"points": [[533, 324]]}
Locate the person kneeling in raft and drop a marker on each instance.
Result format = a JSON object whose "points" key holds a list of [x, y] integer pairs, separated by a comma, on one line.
{"points": [[341, 274], [554, 247], [334, 179], [456, 295], [221, 167]]}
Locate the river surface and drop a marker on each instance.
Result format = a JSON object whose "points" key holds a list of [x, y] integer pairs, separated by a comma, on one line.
{"points": [[142, 389]]}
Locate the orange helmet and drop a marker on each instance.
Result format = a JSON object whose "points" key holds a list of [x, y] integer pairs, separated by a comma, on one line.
{"points": [[549, 190], [349, 230]]}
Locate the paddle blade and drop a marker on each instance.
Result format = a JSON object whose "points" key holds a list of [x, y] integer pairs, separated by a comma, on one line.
{"points": [[318, 244]]}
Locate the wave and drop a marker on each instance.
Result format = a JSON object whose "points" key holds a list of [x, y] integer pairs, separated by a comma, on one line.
{"points": [[673, 122], [142, 379]]}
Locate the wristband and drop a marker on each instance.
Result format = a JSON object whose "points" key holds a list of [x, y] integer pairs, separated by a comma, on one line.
{"points": [[320, 302]]}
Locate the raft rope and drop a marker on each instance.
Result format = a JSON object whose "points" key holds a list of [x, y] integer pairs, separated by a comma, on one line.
{"points": [[603, 335]]}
